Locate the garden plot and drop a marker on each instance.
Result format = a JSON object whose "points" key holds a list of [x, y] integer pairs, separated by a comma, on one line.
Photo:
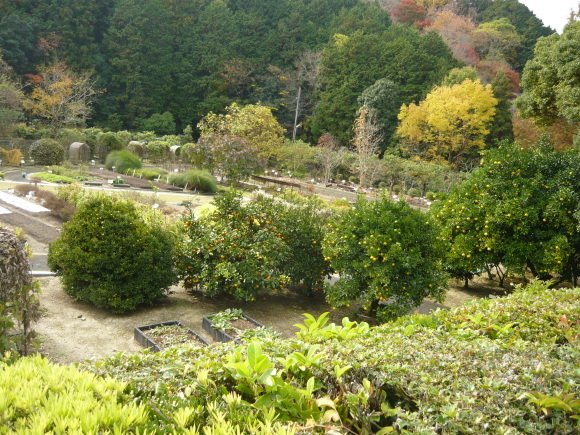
{"points": [[229, 325], [164, 335]]}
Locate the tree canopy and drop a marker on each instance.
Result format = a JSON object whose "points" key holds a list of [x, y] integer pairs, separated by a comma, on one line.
{"points": [[519, 209], [551, 80], [449, 123]]}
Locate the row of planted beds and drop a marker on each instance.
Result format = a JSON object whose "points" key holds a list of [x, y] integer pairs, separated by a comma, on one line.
{"points": [[227, 325]]}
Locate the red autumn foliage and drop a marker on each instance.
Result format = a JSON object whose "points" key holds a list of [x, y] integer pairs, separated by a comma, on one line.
{"points": [[489, 69], [409, 12]]}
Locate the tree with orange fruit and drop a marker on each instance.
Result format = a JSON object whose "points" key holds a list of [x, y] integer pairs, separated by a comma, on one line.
{"points": [[519, 210]]}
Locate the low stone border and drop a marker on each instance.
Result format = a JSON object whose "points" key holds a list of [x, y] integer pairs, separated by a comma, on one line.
{"points": [[222, 336], [143, 340]]}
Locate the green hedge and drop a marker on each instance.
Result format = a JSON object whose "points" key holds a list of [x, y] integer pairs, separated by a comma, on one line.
{"points": [[496, 366], [52, 178], [499, 366]]}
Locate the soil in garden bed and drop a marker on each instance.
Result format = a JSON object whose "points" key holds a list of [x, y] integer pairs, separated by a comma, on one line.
{"points": [[240, 326], [172, 335]]}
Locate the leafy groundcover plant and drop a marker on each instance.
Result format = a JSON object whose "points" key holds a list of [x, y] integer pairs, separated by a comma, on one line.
{"points": [[496, 366]]}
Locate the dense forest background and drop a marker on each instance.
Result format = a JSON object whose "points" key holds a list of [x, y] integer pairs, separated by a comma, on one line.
{"points": [[321, 58]]}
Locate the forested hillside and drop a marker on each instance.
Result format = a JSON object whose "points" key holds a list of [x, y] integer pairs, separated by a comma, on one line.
{"points": [[326, 57]]}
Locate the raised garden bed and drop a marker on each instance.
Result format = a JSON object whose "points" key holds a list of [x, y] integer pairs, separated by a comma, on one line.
{"points": [[228, 325], [160, 336]]}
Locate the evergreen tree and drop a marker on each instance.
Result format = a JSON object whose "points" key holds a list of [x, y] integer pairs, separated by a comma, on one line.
{"points": [[501, 127]]}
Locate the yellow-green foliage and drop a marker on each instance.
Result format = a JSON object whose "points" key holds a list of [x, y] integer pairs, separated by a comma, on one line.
{"points": [[12, 157], [40, 397]]}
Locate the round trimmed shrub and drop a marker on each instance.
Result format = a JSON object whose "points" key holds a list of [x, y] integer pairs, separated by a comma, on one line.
{"points": [[122, 160], [195, 180], [109, 256], [46, 152]]}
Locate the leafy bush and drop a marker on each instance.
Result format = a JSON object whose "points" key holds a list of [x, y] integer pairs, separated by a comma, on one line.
{"points": [[157, 150], [413, 192], [302, 227], [430, 196], [520, 210], [47, 152], [122, 160], [440, 373], [236, 251], [388, 257], [195, 180], [103, 251], [40, 397]]}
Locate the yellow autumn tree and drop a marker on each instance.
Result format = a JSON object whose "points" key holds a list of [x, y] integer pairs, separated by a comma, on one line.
{"points": [[449, 123], [253, 122], [62, 97]]}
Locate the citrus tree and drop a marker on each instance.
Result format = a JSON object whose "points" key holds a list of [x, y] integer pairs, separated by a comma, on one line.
{"points": [[388, 256], [519, 209], [111, 256], [246, 249]]}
